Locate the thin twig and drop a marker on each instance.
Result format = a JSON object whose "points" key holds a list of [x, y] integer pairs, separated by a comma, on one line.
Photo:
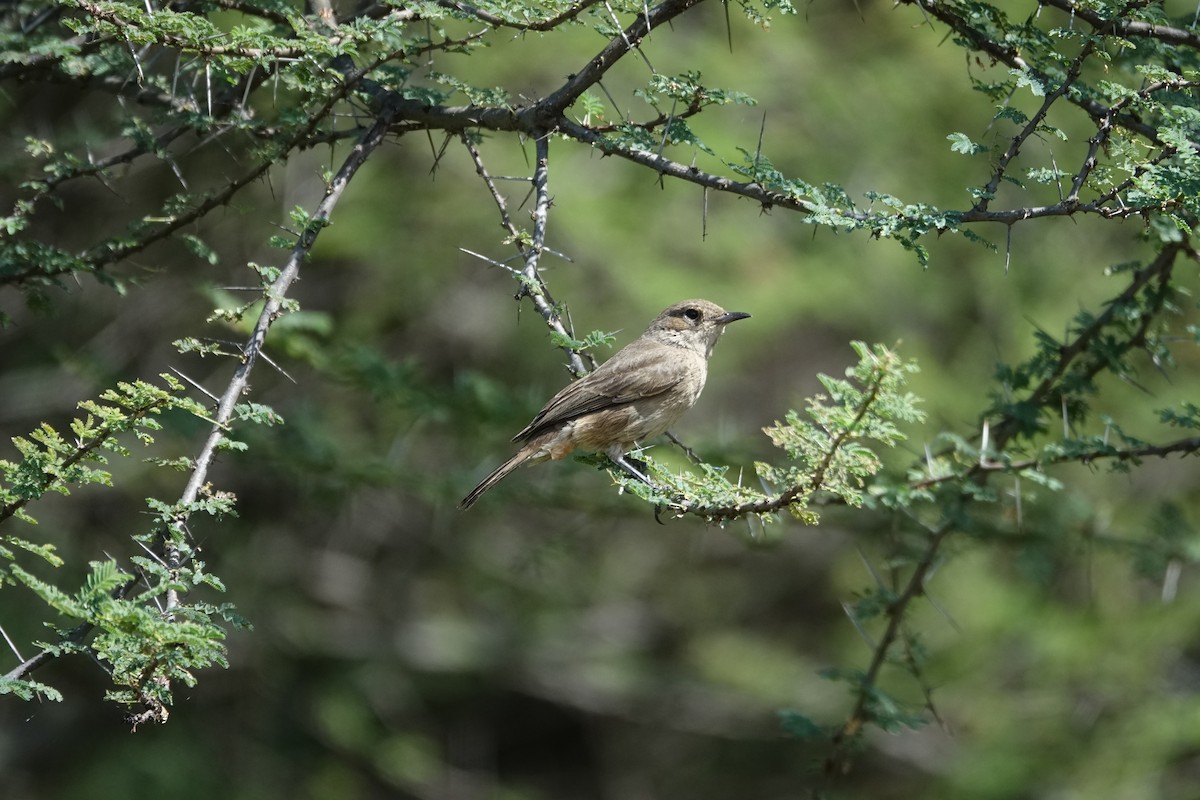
{"points": [[1032, 126], [913, 588]]}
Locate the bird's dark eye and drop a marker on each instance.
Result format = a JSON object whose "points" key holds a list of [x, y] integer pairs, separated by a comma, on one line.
{"points": [[692, 313]]}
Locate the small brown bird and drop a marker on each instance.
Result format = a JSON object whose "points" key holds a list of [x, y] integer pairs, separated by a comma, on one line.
{"points": [[636, 395]]}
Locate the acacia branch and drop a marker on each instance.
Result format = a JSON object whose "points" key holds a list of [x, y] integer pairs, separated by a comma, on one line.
{"points": [[1047, 391], [117, 249], [684, 172], [39, 659], [1011, 57], [1031, 127], [48, 186], [533, 285], [495, 21], [914, 587], [189, 45], [546, 115], [41, 62], [772, 199], [1132, 29], [416, 116], [619, 46], [81, 452], [1188, 446], [272, 310]]}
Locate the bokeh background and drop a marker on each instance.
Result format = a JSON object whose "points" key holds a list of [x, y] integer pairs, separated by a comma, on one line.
{"points": [[555, 642]]}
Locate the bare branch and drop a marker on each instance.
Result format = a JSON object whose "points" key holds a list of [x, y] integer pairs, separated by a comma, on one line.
{"points": [[533, 285]]}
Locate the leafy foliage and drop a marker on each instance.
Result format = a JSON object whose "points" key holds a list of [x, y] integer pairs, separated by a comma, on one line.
{"points": [[829, 454], [144, 647]]}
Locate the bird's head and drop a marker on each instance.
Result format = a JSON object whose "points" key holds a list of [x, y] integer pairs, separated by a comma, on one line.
{"points": [[696, 324]]}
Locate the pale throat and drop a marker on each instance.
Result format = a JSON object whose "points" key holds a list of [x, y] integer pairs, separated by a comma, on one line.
{"points": [[687, 340]]}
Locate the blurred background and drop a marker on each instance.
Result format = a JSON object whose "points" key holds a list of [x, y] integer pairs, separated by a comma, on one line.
{"points": [[555, 642]]}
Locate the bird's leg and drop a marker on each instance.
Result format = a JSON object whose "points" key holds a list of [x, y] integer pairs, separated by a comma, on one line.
{"points": [[626, 463], [638, 464]]}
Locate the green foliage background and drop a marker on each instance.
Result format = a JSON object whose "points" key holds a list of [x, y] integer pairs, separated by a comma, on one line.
{"points": [[555, 641]]}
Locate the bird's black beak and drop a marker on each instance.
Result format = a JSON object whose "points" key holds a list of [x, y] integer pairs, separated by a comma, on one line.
{"points": [[730, 316]]}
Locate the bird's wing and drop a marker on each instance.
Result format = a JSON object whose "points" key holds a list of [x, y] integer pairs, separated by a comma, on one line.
{"points": [[634, 373]]}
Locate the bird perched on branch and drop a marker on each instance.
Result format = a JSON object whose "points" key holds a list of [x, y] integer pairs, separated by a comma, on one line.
{"points": [[636, 395]]}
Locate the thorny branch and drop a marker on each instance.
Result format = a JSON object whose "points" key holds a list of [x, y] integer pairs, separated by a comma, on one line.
{"points": [[119, 248], [533, 286], [914, 587], [1187, 446], [1048, 391], [1131, 29], [1010, 56], [675, 169], [111, 16], [1031, 127], [273, 309]]}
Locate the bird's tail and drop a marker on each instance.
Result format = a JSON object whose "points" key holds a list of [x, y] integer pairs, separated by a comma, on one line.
{"points": [[497, 475]]}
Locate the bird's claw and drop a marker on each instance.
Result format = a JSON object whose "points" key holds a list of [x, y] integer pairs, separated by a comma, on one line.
{"points": [[677, 502]]}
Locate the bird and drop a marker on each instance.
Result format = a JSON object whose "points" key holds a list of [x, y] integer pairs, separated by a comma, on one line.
{"points": [[634, 396]]}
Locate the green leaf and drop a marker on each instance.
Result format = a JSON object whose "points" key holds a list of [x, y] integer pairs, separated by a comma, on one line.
{"points": [[29, 690], [799, 726], [961, 143]]}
